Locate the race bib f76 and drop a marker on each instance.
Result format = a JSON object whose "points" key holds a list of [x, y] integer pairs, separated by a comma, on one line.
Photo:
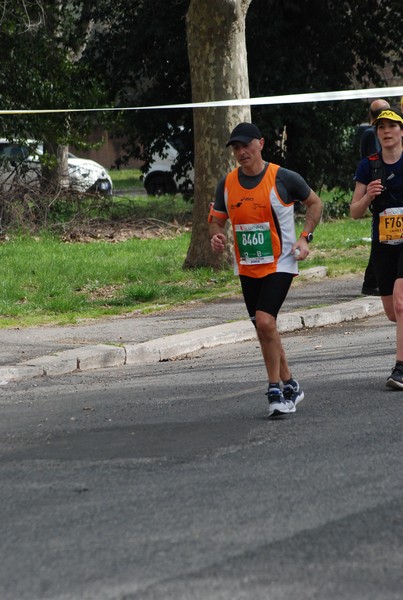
{"points": [[391, 226]]}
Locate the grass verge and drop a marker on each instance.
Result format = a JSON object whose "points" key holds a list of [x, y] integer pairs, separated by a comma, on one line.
{"points": [[45, 280]]}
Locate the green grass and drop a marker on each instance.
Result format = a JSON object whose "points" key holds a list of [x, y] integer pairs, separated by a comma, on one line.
{"points": [[166, 208], [45, 280], [126, 205], [342, 246], [126, 178]]}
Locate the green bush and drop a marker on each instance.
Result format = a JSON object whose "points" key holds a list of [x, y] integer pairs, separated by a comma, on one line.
{"points": [[336, 204]]}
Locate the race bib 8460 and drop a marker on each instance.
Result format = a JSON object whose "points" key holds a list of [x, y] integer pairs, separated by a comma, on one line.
{"points": [[254, 243]]}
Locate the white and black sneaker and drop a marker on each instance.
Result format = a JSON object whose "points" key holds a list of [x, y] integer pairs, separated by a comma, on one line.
{"points": [[292, 392], [278, 405], [395, 379]]}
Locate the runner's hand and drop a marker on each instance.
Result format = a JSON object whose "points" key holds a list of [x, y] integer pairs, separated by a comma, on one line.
{"points": [[218, 242]]}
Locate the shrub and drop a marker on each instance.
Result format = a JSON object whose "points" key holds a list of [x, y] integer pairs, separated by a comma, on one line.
{"points": [[336, 204]]}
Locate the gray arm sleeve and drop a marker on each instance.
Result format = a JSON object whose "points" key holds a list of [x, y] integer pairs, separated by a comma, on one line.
{"points": [[219, 203], [291, 186]]}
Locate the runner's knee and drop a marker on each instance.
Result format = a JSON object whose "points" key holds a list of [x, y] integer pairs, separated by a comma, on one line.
{"points": [[265, 323]]}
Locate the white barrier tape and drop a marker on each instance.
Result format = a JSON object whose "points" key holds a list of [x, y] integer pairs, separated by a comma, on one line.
{"points": [[266, 100]]}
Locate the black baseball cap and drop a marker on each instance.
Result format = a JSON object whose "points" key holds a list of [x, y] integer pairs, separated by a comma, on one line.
{"points": [[244, 133]]}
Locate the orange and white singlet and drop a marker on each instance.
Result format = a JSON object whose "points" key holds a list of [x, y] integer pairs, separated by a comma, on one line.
{"points": [[263, 225]]}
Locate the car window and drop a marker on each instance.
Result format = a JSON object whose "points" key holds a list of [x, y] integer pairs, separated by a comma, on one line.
{"points": [[177, 143], [13, 152]]}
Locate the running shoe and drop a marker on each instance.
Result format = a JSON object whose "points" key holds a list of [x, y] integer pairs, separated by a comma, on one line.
{"points": [[277, 403], [292, 392], [395, 379]]}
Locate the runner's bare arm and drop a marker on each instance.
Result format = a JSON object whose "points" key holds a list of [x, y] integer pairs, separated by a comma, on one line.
{"points": [[314, 207], [363, 196], [217, 235]]}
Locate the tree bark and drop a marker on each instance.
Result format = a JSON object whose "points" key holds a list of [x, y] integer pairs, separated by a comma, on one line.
{"points": [[218, 65], [63, 166], [55, 175]]}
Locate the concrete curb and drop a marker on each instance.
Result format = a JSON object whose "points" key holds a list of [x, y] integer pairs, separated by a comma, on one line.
{"points": [[176, 346]]}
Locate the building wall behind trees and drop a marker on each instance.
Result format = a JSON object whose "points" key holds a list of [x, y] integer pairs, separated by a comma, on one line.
{"points": [[108, 152]]}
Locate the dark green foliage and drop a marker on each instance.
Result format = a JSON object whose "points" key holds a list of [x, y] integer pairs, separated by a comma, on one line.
{"points": [[293, 47], [319, 46], [143, 53], [337, 206], [136, 55], [41, 43]]}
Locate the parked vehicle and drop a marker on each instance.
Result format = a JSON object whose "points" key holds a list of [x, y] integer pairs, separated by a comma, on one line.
{"points": [[88, 176], [159, 177], [22, 162]]}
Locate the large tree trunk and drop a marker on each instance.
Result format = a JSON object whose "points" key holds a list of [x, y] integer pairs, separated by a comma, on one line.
{"points": [[219, 71]]}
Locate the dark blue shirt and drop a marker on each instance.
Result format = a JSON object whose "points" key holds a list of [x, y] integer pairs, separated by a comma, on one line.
{"points": [[393, 194]]}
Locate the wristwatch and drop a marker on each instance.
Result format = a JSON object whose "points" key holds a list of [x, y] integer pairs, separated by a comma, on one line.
{"points": [[307, 236]]}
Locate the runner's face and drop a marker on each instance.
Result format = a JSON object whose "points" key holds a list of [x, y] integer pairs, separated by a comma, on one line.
{"points": [[249, 156], [389, 133]]}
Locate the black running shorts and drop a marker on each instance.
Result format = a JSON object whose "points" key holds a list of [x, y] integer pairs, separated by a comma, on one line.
{"points": [[387, 261], [265, 293]]}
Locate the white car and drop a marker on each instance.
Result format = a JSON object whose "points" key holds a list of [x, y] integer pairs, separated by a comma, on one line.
{"points": [[86, 175], [22, 161], [159, 179]]}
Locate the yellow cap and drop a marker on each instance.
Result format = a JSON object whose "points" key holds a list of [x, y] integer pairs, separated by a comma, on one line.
{"points": [[391, 115]]}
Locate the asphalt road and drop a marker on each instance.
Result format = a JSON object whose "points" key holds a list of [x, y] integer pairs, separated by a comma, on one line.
{"points": [[168, 481]]}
